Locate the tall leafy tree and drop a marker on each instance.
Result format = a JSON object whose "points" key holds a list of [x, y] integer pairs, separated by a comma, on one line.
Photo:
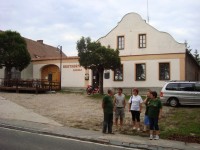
{"points": [[13, 52], [96, 57], [188, 49], [196, 56]]}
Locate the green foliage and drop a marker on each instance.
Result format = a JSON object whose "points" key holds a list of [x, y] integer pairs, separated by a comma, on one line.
{"points": [[196, 53], [188, 47], [94, 56], [13, 51], [196, 56]]}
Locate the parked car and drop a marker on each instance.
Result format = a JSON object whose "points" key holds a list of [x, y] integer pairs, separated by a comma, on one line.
{"points": [[180, 92]]}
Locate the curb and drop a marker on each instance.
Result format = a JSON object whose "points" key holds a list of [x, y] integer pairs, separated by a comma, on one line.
{"points": [[100, 141], [93, 140]]}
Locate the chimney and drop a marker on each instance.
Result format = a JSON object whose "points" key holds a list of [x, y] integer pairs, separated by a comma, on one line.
{"points": [[40, 41]]}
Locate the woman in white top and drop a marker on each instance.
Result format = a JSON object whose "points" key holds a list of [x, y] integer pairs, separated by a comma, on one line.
{"points": [[135, 107]]}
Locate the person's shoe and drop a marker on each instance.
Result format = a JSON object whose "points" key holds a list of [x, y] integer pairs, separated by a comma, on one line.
{"points": [[111, 133], [151, 137], [156, 137], [134, 128], [138, 129]]}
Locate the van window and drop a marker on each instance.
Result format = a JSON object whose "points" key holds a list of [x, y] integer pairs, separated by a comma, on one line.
{"points": [[186, 86], [197, 87], [172, 87]]}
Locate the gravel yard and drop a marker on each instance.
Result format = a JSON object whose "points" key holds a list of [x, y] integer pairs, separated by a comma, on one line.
{"points": [[73, 110]]}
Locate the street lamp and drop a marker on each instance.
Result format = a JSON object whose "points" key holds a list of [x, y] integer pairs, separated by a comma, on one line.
{"points": [[60, 50]]}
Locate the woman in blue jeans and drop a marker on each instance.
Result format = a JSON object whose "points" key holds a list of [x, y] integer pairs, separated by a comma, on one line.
{"points": [[154, 114]]}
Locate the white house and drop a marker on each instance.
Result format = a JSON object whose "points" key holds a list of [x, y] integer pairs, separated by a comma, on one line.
{"points": [[149, 58]]}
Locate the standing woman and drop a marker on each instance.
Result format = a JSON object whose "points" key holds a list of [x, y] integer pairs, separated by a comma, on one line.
{"points": [[154, 114], [135, 107]]}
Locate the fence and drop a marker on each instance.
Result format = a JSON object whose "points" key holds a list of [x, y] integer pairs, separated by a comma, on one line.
{"points": [[28, 85]]}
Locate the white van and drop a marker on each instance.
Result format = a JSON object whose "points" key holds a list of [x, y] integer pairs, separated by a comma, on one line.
{"points": [[180, 92]]}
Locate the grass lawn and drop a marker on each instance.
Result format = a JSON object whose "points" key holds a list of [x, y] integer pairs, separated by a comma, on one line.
{"points": [[183, 123]]}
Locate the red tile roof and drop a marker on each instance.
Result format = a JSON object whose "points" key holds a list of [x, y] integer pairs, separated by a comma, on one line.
{"points": [[38, 49]]}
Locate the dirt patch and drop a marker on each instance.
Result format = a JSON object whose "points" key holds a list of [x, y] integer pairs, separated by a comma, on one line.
{"points": [[187, 139], [73, 110]]}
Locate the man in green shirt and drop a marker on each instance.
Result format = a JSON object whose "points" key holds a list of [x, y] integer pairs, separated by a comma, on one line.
{"points": [[154, 114], [107, 105]]}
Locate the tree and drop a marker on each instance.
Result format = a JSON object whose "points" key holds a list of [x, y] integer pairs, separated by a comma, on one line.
{"points": [[188, 47], [13, 52], [96, 57], [196, 56]]}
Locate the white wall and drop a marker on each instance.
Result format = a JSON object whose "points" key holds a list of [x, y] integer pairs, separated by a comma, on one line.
{"points": [[37, 70], [71, 76], [152, 74], [2, 72], [130, 27], [27, 73]]}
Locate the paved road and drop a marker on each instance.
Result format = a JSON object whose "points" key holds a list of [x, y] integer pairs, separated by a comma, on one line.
{"points": [[19, 140]]}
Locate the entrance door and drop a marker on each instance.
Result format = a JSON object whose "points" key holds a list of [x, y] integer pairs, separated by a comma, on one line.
{"points": [[95, 78], [50, 77]]}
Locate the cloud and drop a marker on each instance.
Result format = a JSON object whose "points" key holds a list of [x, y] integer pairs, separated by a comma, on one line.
{"points": [[65, 21]]}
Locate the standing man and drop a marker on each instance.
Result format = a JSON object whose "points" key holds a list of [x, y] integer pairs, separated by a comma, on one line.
{"points": [[107, 105], [119, 106]]}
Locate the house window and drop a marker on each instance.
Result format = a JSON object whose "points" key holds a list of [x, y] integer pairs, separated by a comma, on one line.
{"points": [[140, 72], [164, 71], [107, 74], [142, 40], [118, 74], [120, 42]]}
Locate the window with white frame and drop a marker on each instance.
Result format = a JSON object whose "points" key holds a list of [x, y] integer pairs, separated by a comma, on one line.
{"points": [[118, 74], [142, 41], [120, 42], [164, 71], [140, 72]]}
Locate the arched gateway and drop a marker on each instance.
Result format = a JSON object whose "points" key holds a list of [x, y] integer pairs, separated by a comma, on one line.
{"points": [[50, 73]]}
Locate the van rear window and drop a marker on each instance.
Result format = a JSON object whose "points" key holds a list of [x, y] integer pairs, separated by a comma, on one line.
{"points": [[197, 87], [186, 87]]}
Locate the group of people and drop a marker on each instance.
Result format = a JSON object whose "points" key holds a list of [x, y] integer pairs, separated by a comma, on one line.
{"points": [[117, 104]]}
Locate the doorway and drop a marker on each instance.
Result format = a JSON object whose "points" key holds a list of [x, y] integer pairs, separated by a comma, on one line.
{"points": [[95, 78]]}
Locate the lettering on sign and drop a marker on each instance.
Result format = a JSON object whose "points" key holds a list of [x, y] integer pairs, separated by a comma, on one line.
{"points": [[72, 66], [75, 67]]}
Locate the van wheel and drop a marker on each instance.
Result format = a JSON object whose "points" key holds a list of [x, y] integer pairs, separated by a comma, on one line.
{"points": [[173, 102]]}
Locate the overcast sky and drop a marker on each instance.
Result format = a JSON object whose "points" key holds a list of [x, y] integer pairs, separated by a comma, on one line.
{"points": [[63, 22]]}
